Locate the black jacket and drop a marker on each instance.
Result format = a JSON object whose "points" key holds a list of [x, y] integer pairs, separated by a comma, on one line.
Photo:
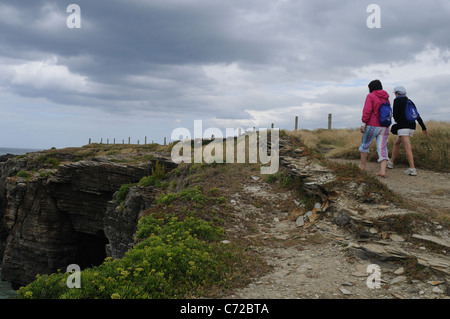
{"points": [[399, 114]]}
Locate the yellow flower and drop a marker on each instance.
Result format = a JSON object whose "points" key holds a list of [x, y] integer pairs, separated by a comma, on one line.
{"points": [[115, 296], [29, 294]]}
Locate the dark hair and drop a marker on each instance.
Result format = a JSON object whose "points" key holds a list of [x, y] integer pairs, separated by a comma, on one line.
{"points": [[375, 85]]}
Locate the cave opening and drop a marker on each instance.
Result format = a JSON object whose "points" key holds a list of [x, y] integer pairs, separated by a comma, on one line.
{"points": [[91, 249]]}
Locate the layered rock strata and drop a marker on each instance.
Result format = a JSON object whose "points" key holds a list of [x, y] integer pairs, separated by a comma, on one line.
{"points": [[53, 220]]}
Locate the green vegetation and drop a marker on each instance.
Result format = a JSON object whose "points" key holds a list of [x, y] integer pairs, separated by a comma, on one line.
{"points": [[173, 259], [49, 158], [283, 178], [123, 192], [193, 195], [23, 174], [53, 162], [158, 175]]}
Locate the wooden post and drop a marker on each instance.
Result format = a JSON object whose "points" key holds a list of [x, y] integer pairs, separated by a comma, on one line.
{"points": [[114, 141], [89, 141], [129, 140], [138, 142], [101, 141], [330, 116], [296, 123], [165, 142], [123, 141], [146, 140], [107, 141], [272, 125]]}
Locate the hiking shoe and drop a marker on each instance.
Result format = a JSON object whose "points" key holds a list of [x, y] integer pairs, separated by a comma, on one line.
{"points": [[410, 171], [390, 164]]}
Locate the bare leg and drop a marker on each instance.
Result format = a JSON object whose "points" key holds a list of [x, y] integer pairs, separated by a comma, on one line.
{"points": [[382, 172], [363, 161], [396, 148], [408, 150]]}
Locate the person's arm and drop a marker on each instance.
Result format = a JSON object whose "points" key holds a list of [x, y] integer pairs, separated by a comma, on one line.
{"points": [[421, 123], [367, 110], [395, 111]]}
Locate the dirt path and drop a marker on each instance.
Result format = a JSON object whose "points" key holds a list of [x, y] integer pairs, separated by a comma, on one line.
{"points": [[316, 262], [428, 188]]}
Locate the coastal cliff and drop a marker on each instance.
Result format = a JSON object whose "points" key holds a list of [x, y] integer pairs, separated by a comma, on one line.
{"points": [[310, 218], [51, 217]]}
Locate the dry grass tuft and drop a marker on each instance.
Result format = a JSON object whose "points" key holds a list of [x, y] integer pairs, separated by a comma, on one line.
{"points": [[430, 152]]}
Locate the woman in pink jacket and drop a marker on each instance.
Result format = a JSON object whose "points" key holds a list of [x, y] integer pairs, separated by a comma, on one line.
{"points": [[371, 127]]}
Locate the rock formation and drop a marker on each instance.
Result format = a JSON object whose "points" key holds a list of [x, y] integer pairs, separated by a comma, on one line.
{"points": [[49, 221]]}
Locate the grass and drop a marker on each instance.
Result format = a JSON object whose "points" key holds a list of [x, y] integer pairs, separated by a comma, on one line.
{"points": [[23, 174], [430, 152]]}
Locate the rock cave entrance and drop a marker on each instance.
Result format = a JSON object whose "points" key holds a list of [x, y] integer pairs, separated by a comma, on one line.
{"points": [[91, 250]]}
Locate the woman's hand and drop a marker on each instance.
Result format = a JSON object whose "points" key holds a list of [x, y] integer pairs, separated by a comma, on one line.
{"points": [[362, 129]]}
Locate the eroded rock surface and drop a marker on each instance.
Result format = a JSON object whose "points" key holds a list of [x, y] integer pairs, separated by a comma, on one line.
{"points": [[53, 220]]}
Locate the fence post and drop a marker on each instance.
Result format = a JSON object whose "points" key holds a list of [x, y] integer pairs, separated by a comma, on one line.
{"points": [[129, 140], [165, 142], [272, 125], [101, 141], [329, 121], [146, 140], [89, 141]]}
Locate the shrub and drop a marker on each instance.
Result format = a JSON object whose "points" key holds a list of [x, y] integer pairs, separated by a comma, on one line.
{"points": [[186, 195], [174, 259], [158, 174], [53, 162], [123, 192], [23, 174]]}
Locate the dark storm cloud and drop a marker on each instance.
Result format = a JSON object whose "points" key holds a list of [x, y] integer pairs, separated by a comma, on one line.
{"points": [[212, 58]]}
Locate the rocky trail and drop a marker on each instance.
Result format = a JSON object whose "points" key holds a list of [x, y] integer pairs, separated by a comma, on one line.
{"points": [[345, 248], [428, 189]]}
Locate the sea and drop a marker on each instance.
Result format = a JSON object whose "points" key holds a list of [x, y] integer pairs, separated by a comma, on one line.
{"points": [[6, 290], [17, 151]]}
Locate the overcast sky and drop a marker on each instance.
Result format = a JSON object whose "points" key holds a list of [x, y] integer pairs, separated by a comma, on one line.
{"points": [[141, 68]]}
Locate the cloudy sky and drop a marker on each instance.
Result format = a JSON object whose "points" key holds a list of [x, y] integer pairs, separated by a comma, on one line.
{"points": [[139, 68]]}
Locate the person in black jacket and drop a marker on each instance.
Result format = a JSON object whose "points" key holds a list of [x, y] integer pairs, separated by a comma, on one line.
{"points": [[405, 131]]}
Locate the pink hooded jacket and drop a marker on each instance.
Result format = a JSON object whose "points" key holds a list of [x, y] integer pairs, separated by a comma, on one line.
{"points": [[373, 102]]}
